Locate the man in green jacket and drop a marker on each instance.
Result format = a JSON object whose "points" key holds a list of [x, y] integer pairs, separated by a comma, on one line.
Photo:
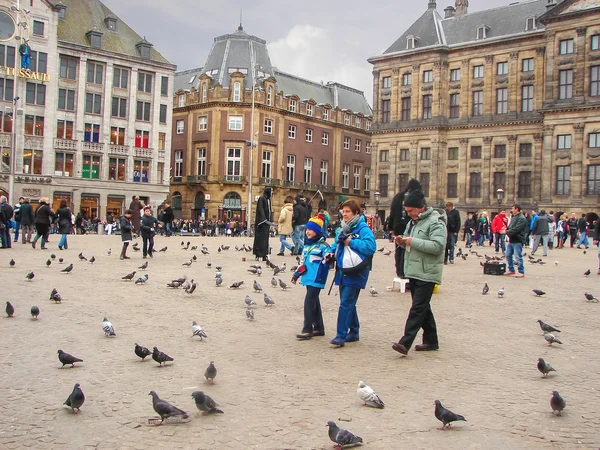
{"points": [[424, 241], [517, 235]]}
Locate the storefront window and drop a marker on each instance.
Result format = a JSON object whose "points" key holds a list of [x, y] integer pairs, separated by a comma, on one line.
{"points": [[89, 207], [90, 167], [58, 197], [32, 162], [114, 205]]}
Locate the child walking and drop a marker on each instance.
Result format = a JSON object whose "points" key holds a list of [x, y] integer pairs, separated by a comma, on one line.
{"points": [[125, 232], [148, 228], [314, 271]]}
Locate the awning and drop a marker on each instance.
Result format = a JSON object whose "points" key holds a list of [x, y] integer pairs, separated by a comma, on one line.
{"points": [[115, 196], [67, 193], [87, 194]]}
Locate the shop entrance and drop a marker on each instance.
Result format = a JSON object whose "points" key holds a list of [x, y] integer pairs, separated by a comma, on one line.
{"points": [[58, 196], [90, 205], [114, 205]]}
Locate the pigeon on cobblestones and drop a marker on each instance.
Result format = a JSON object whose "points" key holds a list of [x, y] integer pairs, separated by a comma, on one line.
{"points": [[142, 279], [108, 328], [486, 289], [250, 314], [143, 266], [538, 292], [236, 285], [257, 287], [218, 282], [587, 272], [268, 300], [30, 276], [160, 357], [81, 257], [192, 288], [92, 259], [544, 367], [373, 291], [67, 269], [368, 396], [141, 351], [48, 263], [550, 338], [198, 331], [273, 282], [164, 409], [446, 416], [557, 403], [205, 404], [547, 328], [211, 372], [65, 359], [249, 302], [54, 295], [35, 312], [12, 263], [76, 399], [10, 309], [342, 437], [501, 292], [282, 284], [590, 298]]}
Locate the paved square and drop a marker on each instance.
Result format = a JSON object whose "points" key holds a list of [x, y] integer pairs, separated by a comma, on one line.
{"points": [[277, 392]]}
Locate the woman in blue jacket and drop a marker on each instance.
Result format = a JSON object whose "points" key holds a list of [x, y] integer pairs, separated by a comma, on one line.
{"points": [[354, 247]]}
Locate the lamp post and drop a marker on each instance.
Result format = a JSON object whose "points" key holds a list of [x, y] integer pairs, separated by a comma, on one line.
{"points": [[377, 197], [251, 144], [499, 195]]}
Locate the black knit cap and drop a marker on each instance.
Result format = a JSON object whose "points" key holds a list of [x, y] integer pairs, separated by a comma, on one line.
{"points": [[415, 199]]}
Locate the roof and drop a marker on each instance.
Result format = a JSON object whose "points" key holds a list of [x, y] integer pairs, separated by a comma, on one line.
{"points": [[426, 28], [83, 15]]}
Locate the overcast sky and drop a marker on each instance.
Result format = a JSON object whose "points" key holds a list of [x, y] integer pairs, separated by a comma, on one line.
{"points": [[324, 40]]}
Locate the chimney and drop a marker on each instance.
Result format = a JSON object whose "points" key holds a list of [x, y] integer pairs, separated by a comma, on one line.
{"points": [[450, 11], [462, 7], [432, 4]]}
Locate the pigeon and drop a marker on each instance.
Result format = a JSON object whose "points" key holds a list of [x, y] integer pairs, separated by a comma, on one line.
{"points": [[486, 289], [109, 251], [10, 309], [205, 404], [556, 263], [557, 403], [192, 288], [273, 282], [584, 252], [211, 372], [590, 297], [92, 260], [587, 272], [76, 399], [501, 293], [268, 300], [276, 270], [544, 367], [54, 295], [68, 269], [218, 274], [538, 292], [257, 287], [388, 253], [160, 357], [141, 351], [129, 276], [194, 247], [209, 264], [142, 279], [136, 249], [81, 257], [381, 249], [249, 301], [253, 270], [204, 252], [250, 314], [219, 250], [12, 263], [65, 359], [218, 281], [446, 416], [368, 396], [164, 249], [35, 312], [164, 409], [143, 266], [61, 260], [550, 338], [30, 276], [219, 268], [547, 328], [342, 437], [182, 243], [174, 284], [236, 285], [198, 331], [373, 291], [283, 285], [179, 280], [48, 263], [135, 244], [195, 258], [188, 263], [108, 328]]}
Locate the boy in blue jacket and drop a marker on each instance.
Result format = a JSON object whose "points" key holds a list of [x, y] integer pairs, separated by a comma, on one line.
{"points": [[314, 271]]}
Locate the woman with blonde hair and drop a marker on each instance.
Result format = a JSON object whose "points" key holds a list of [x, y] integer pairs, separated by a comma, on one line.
{"points": [[483, 228], [561, 228]]}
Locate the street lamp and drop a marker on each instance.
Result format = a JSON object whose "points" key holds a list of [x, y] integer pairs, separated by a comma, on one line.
{"points": [[377, 196], [252, 143], [499, 195]]}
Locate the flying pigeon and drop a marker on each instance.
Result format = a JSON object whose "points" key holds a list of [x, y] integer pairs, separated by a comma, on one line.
{"points": [[501, 293], [129, 276], [83, 258], [249, 301], [143, 266], [108, 328], [198, 331], [446, 416], [65, 359], [10, 309], [550, 338], [282, 285], [486, 289], [92, 259], [164, 249], [250, 313], [547, 328], [587, 272], [342, 437], [160, 357], [205, 404], [164, 409], [30, 276], [538, 292], [48, 263], [76, 399], [142, 279], [557, 403], [35, 312], [368, 396], [211, 372], [12, 263], [268, 300], [590, 297], [544, 367], [68, 269], [236, 285], [141, 351], [257, 287], [373, 291]]}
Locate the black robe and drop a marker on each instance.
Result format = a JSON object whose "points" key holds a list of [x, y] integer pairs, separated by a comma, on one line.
{"points": [[261, 227]]}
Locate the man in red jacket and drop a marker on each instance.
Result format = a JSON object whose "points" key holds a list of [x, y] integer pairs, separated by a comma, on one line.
{"points": [[499, 225]]}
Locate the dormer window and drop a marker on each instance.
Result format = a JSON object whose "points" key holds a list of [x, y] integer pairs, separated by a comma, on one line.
{"points": [[181, 101], [269, 96], [325, 114], [292, 105], [144, 48], [204, 93], [237, 91], [530, 24], [411, 42], [95, 37], [482, 32], [309, 110], [111, 22]]}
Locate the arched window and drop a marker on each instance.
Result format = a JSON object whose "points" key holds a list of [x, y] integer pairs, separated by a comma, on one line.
{"points": [[176, 201], [237, 91], [232, 200], [199, 201]]}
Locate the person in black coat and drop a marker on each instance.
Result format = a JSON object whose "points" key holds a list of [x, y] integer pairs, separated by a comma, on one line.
{"points": [[27, 221], [299, 220], [44, 216], [6, 214], [453, 227], [64, 224], [167, 218], [125, 225], [148, 226], [263, 222]]}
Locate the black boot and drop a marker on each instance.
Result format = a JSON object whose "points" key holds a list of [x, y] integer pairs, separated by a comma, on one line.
{"points": [[124, 251]]}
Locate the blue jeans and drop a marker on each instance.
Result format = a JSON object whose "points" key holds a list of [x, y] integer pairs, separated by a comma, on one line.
{"points": [[298, 238], [469, 238], [168, 231], [17, 228], [482, 238], [284, 243], [347, 315], [583, 240], [63, 242], [450, 244], [514, 249], [499, 241]]}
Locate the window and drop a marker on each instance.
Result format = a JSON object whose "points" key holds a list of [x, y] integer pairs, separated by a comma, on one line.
{"points": [[307, 170], [384, 155], [270, 96], [268, 126], [141, 170], [452, 185], [63, 164], [502, 101], [35, 94], [91, 132], [90, 167], [178, 163], [424, 180], [181, 101], [482, 32], [530, 24], [290, 168], [478, 72], [563, 180], [452, 153], [524, 150], [66, 99], [407, 79], [116, 169], [474, 185], [402, 180], [345, 176], [95, 72], [454, 106], [502, 68], [235, 123], [202, 123], [367, 125], [406, 106], [9, 52], [93, 103], [454, 74], [565, 47], [142, 139], [593, 180], [527, 65], [524, 185], [404, 154], [324, 168], [356, 181], [7, 89], [119, 108], [292, 131], [500, 151], [32, 162], [292, 107], [357, 122], [164, 86], [425, 154], [386, 82], [237, 91], [346, 119], [120, 78], [68, 68], [267, 158], [563, 141], [595, 81], [499, 179], [39, 61], [427, 102], [368, 148], [309, 110], [162, 114], [428, 76], [325, 114], [34, 125], [565, 84], [309, 135], [160, 172], [38, 28], [162, 141], [204, 93], [476, 152], [64, 129], [117, 136], [357, 145], [325, 138], [527, 98], [201, 161], [478, 103], [143, 111], [180, 126], [385, 111], [367, 173], [346, 143], [144, 82], [594, 140], [595, 42]]}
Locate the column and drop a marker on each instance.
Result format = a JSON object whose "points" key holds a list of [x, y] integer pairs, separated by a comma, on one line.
{"points": [[486, 164], [580, 70], [437, 177], [488, 87], [393, 168], [511, 178], [551, 86], [130, 137], [577, 175], [539, 78], [538, 139], [416, 108], [465, 89], [396, 97], [105, 127], [546, 164], [414, 159], [440, 84], [463, 169], [513, 83], [376, 100]]}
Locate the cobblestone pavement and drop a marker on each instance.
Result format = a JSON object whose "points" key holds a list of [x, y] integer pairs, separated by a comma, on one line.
{"points": [[277, 392]]}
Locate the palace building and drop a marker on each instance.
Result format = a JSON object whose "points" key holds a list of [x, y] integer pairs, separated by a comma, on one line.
{"points": [[493, 107]]}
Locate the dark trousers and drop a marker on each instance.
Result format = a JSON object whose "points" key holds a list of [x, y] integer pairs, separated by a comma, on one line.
{"points": [[148, 246], [313, 316], [420, 315]]}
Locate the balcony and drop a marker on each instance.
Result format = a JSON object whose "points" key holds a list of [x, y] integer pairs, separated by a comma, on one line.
{"points": [[233, 179], [93, 147], [118, 149], [66, 144], [142, 152], [197, 179], [269, 181]]}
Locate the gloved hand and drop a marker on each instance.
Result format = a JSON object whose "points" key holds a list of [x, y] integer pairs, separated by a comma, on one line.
{"points": [[298, 273], [342, 237]]}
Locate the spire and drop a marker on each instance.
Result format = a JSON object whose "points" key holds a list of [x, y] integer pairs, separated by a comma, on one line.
{"points": [[432, 4], [241, 28]]}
